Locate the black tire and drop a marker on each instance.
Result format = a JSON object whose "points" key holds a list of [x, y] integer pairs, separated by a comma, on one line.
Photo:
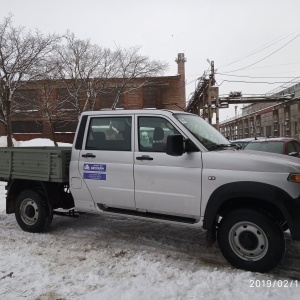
{"points": [[32, 211], [251, 240]]}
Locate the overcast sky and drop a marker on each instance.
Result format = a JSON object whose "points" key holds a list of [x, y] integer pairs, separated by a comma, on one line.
{"points": [[260, 38]]}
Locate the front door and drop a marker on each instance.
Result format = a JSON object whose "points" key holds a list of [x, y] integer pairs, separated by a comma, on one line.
{"points": [[106, 163], [164, 184]]}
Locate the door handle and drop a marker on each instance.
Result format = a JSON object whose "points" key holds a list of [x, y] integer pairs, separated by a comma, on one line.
{"points": [[144, 157], [88, 155]]}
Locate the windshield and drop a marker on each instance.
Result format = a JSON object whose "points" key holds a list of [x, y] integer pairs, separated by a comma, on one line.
{"points": [[203, 131]]}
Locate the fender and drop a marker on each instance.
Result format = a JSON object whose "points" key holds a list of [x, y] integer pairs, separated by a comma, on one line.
{"points": [[253, 194], [53, 191], [16, 186]]}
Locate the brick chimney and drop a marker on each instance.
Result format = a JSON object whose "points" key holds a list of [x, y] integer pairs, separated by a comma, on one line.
{"points": [[181, 71]]}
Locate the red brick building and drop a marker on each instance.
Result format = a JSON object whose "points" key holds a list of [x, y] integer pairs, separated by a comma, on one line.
{"points": [[167, 92]]}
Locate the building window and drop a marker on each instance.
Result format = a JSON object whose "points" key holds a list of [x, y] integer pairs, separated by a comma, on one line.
{"points": [[26, 127], [64, 100], [65, 126], [269, 130], [287, 125], [150, 97], [287, 113], [25, 101], [275, 116], [107, 98]]}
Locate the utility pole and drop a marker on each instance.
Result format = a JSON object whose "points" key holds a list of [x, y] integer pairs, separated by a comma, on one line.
{"points": [[210, 94]]}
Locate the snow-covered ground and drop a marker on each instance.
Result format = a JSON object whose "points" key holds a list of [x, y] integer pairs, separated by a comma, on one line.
{"points": [[116, 257]]}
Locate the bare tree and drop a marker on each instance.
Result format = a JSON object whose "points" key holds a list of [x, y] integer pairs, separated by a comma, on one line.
{"points": [[51, 109], [22, 55], [131, 65], [84, 69], [89, 71]]}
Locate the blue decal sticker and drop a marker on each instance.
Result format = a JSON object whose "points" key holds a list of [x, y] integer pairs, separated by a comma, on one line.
{"points": [[94, 171], [94, 167], [94, 176]]}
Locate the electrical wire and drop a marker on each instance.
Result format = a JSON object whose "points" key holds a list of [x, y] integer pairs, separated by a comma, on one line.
{"points": [[260, 49], [246, 76], [256, 82], [265, 56], [291, 83], [271, 66]]}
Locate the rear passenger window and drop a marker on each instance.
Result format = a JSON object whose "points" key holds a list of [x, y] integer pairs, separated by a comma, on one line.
{"points": [[108, 133], [153, 133]]}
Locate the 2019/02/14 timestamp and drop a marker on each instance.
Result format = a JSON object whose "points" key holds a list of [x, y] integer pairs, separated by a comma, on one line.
{"points": [[273, 283]]}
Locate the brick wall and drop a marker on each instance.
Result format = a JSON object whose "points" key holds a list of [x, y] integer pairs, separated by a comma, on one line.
{"points": [[160, 92]]}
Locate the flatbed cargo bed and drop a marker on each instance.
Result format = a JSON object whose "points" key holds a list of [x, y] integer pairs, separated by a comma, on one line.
{"points": [[35, 163]]}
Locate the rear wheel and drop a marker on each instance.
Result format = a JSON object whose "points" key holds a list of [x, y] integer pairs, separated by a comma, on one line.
{"points": [[32, 211], [251, 240]]}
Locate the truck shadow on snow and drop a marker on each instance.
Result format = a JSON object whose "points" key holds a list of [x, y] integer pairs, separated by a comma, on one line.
{"points": [[186, 243]]}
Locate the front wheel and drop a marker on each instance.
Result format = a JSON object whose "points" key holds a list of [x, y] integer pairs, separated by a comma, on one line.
{"points": [[251, 240], [32, 211]]}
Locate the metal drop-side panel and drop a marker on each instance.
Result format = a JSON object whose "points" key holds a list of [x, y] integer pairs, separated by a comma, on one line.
{"points": [[35, 163]]}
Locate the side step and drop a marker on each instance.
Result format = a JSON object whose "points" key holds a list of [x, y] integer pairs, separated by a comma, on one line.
{"points": [[71, 213], [148, 215]]}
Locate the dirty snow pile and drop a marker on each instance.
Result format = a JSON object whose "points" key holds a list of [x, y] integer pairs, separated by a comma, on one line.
{"points": [[116, 257]]}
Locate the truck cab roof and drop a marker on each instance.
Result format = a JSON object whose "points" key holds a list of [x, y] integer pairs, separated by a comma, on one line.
{"points": [[134, 111]]}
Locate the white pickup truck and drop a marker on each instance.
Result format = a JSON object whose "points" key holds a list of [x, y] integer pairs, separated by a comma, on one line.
{"points": [[166, 165]]}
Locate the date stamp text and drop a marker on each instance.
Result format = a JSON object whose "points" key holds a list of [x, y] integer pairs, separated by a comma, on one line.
{"points": [[273, 283]]}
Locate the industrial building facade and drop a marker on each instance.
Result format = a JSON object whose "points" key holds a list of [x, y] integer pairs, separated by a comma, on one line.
{"points": [[30, 118], [267, 119]]}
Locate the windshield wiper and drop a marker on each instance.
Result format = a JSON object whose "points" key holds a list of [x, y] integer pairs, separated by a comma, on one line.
{"points": [[223, 146]]}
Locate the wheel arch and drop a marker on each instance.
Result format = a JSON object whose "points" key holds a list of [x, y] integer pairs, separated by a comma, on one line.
{"points": [[16, 186], [266, 197], [54, 193]]}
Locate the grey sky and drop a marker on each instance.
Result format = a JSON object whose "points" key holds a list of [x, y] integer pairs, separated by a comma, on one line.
{"points": [[221, 30]]}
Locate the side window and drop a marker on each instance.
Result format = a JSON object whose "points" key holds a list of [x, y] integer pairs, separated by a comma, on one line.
{"points": [[291, 147], [153, 133], [296, 146], [109, 133]]}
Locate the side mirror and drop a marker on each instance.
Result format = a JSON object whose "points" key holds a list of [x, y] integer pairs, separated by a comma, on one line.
{"points": [[175, 145]]}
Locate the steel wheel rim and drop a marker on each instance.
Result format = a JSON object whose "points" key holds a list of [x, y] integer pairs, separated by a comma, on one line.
{"points": [[29, 211], [248, 241]]}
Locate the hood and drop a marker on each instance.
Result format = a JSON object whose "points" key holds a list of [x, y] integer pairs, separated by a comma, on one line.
{"points": [[248, 160]]}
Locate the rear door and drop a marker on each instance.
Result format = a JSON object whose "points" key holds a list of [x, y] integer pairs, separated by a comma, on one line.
{"points": [[164, 184], [106, 161]]}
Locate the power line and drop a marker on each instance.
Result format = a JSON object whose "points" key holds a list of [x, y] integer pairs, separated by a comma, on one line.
{"points": [[291, 82], [256, 82], [260, 49], [204, 74], [265, 56], [271, 66], [246, 76]]}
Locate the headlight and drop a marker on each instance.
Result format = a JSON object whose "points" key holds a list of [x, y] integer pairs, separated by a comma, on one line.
{"points": [[294, 177]]}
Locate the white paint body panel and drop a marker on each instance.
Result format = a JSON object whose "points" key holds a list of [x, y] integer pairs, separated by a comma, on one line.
{"points": [[169, 185], [179, 186]]}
